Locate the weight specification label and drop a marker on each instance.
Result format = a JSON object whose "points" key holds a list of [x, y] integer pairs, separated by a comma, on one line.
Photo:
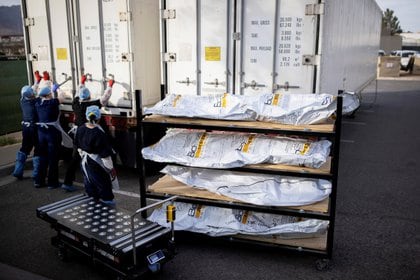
{"points": [[290, 33], [260, 39], [289, 40], [91, 42], [112, 46]]}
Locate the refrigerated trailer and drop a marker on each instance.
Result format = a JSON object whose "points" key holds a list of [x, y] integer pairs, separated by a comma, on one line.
{"points": [[103, 39], [252, 46], [199, 47]]}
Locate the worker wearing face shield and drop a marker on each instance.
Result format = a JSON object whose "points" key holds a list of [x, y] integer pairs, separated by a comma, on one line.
{"points": [[96, 162], [79, 106], [29, 130], [50, 133]]}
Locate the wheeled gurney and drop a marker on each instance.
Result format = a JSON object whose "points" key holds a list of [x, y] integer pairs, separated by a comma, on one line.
{"points": [[106, 234]]}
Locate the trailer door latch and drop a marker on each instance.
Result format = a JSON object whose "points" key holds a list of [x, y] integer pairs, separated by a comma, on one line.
{"points": [[286, 86]]}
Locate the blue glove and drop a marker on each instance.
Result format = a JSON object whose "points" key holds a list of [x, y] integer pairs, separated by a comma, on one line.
{"points": [[55, 87]]}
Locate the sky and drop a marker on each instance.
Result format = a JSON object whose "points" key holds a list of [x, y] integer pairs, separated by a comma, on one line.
{"points": [[407, 11]]}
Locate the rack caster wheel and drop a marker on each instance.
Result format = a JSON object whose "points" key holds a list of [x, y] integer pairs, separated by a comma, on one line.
{"points": [[62, 253], [323, 264]]}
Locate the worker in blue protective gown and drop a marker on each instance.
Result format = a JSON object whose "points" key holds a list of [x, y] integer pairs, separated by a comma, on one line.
{"points": [[79, 105], [29, 130], [95, 151], [49, 135]]}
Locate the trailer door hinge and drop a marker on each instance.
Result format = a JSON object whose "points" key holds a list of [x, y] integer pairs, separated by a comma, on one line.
{"points": [[125, 16], [236, 36], [168, 14], [310, 59], [127, 57], [314, 9], [32, 56], [169, 57], [29, 21]]}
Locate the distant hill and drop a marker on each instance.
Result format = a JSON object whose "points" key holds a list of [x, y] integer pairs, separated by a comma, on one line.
{"points": [[10, 20]]}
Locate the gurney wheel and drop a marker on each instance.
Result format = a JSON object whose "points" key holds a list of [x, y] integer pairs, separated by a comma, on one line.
{"points": [[322, 264]]}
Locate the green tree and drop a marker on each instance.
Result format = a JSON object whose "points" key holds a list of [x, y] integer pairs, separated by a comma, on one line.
{"points": [[391, 21]]}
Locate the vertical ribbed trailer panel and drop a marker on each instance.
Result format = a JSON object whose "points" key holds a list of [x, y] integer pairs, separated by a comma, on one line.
{"points": [[302, 46]]}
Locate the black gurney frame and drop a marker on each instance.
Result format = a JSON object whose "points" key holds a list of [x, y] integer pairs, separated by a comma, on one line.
{"points": [[107, 235]]}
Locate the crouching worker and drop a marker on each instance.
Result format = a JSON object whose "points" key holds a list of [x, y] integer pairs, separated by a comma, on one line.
{"points": [[95, 151]]}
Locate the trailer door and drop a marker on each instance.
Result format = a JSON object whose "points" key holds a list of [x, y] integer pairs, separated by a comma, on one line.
{"points": [[296, 56], [215, 46], [277, 40], [104, 50], [198, 46], [48, 41]]}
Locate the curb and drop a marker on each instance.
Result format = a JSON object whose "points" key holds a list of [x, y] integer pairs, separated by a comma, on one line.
{"points": [[7, 169]]}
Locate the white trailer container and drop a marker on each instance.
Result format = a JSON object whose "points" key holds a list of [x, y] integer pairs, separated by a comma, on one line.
{"points": [[199, 47], [252, 46], [103, 39], [118, 38]]}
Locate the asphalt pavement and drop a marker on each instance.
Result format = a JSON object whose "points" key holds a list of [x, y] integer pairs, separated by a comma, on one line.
{"points": [[377, 219]]}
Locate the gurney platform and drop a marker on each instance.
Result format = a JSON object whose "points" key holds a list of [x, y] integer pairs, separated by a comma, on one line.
{"points": [[104, 234]]}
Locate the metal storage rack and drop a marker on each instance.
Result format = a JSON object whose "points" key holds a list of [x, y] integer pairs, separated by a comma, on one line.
{"points": [[324, 210]]}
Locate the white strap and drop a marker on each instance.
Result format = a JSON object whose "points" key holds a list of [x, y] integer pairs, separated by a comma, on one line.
{"points": [[27, 124]]}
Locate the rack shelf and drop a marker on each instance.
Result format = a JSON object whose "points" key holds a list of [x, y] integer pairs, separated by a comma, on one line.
{"points": [[168, 186], [254, 126], [323, 210], [313, 243]]}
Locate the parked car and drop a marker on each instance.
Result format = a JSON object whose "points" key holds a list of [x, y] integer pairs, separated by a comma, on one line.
{"points": [[405, 57], [381, 53]]}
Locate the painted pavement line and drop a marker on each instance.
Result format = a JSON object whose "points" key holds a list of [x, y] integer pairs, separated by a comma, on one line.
{"points": [[131, 194]]}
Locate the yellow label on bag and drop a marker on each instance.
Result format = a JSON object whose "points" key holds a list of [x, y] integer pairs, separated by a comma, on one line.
{"points": [[276, 99], [248, 143], [305, 148], [178, 97], [224, 100], [200, 146], [244, 217], [198, 211]]}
